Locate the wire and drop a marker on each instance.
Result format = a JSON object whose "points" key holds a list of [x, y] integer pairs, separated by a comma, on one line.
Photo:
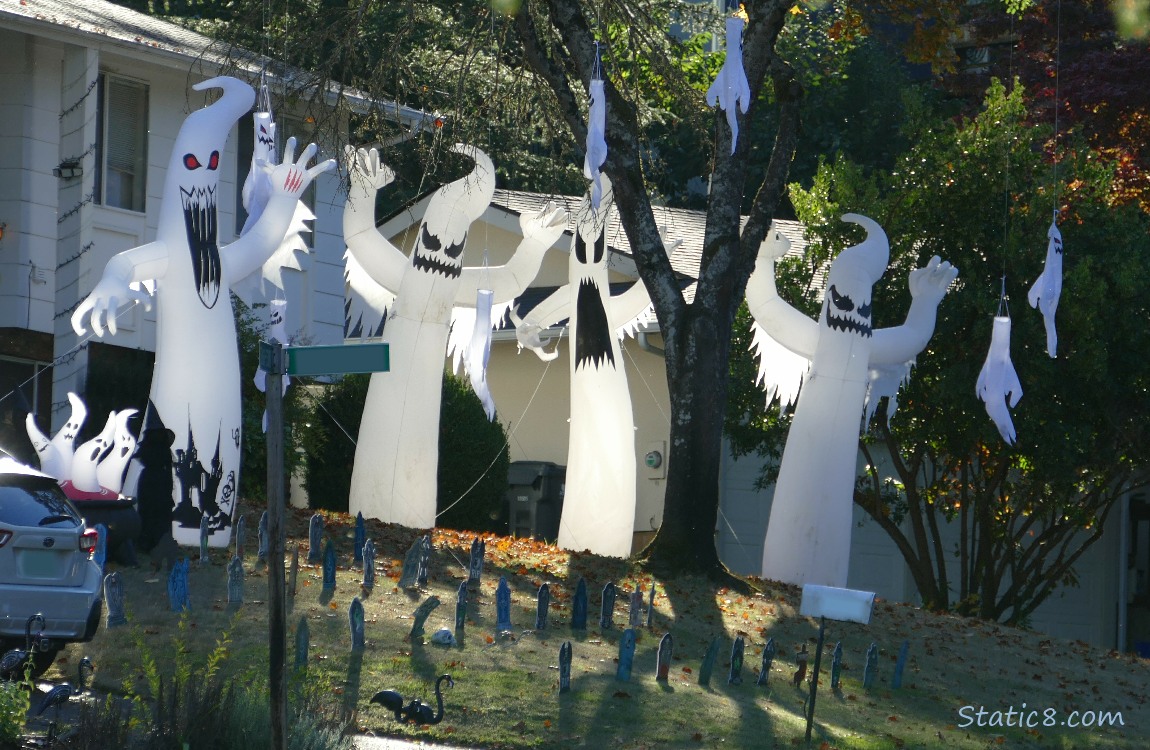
{"points": [[1057, 97]]}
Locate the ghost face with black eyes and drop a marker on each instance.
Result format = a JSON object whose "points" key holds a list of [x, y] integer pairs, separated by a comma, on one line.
{"points": [[847, 306], [438, 256]]}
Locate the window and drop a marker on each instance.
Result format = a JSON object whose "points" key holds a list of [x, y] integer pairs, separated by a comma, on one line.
{"points": [[286, 127], [122, 141]]}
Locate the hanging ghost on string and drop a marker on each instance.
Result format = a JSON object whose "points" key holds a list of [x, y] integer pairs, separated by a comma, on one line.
{"points": [[730, 88], [998, 385], [1047, 288], [596, 131]]}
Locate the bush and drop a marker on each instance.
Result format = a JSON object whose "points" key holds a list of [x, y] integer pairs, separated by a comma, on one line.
{"points": [[13, 710]]}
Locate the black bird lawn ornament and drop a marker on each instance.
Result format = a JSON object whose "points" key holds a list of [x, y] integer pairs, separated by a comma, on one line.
{"points": [[416, 711], [61, 694], [14, 662]]}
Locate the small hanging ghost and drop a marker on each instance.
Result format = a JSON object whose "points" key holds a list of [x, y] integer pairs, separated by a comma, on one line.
{"points": [[731, 87], [480, 349], [596, 138], [277, 312], [1047, 288], [998, 383]]}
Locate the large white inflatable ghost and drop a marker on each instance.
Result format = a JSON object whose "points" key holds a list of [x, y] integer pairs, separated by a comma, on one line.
{"points": [[809, 533], [397, 454], [196, 382], [599, 497]]}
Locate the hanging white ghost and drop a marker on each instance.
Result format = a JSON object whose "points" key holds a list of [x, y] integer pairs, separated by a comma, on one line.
{"points": [[1047, 287], [480, 349], [277, 314], [599, 496], [596, 139], [730, 88], [809, 533], [397, 453], [998, 383], [195, 389]]}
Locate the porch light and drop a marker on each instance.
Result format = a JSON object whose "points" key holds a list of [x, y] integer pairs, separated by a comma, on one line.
{"points": [[69, 169]]}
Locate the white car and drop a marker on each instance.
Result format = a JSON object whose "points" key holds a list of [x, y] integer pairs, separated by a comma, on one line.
{"points": [[46, 566]]}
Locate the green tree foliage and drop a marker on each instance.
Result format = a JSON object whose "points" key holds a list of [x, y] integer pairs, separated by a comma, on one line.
{"points": [[990, 529], [473, 453]]}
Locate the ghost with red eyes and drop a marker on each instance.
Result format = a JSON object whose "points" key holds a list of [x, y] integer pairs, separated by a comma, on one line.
{"points": [[195, 389], [809, 532]]}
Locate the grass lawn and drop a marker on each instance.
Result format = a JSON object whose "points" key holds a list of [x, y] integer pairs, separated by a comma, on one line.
{"points": [[506, 692]]}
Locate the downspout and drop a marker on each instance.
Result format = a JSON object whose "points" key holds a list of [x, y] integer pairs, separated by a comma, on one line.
{"points": [[1123, 579]]}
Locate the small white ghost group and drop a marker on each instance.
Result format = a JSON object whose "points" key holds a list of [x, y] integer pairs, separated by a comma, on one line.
{"points": [[95, 469]]}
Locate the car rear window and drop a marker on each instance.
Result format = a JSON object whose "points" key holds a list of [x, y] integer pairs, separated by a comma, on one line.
{"points": [[34, 503]]}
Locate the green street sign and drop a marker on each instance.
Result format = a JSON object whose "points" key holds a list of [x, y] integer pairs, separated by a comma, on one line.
{"points": [[337, 360]]}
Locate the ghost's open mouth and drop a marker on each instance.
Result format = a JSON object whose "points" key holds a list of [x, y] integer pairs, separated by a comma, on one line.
{"points": [[200, 221]]}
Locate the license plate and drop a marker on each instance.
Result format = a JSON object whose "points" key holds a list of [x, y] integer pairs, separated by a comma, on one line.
{"points": [[35, 563]]}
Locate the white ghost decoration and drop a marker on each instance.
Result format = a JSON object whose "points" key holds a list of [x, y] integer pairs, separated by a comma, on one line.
{"points": [[480, 349], [110, 472], [277, 314], [731, 88], [809, 533], [596, 140], [59, 457], [998, 383], [1048, 286], [45, 451], [88, 456], [195, 389]]}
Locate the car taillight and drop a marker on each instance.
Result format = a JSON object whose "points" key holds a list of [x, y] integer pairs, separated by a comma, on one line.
{"points": [[4, 537], [88, 540]]}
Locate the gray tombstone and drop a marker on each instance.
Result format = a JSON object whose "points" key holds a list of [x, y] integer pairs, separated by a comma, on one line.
{"points": [[900, 665], [626, 656], [503, 607], [651, 605], [236, 581], [424, 561], [355, 622], [542, 604], [204, 539], [663, 663], [635, 614], [359, 539], [293, 576], [262, 550], [871, 669], [315, 539], [419, 617], [100, 554], [768, 657], [368, 565], [607, 608], [709, 663], [114, 596], [475, 562], [329, 566], [302, 639], [409, 578], [836, 665], [461, 606], [241, 535], [579, 607], [565, 667], [735, 676], [178, 586]]}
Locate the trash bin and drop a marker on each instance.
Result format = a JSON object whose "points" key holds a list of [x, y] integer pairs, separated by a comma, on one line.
{"points": [[535, 498]]}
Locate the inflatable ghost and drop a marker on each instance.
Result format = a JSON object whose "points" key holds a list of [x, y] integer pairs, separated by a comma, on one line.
{"points": [[731, 89], [110, 472], [55, 454], [195, 389], [998, 383], [809, 533], [89, 455], [397, 454], [1047, 288], [599, 497]]}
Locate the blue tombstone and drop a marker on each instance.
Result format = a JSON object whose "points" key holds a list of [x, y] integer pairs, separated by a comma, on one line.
{"points": [[768, 657], [626, 656], [579, 606], [236, 581], [565, 667], [178, 586], [542, 604], [262, 550], [409, 578], [475, 562], [368, 557], [651, 605], [355, 621], [241, 535], [424, 561], [607, 608], [635, 614], [870, 671], [329, 566], [503, 607], [663, 660], [293, 576], [114, 596], [735, 676], [461, 606], [315, 538], [204, 539], [420, 616], [836, 665], [302, 639], [900, 665], [100, 554], [360, 538], [709, 663]]}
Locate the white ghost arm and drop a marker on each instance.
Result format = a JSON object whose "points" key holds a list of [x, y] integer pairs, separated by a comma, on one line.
{"points": [[731, 87], [783, 323], [885, 382], [998, 383], [115, 286], [631, 310], [382, 261], [1048, 287], [928, 285], [547, 313], [288, 182], [781, 371], [540, 231], [367, 302]]}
